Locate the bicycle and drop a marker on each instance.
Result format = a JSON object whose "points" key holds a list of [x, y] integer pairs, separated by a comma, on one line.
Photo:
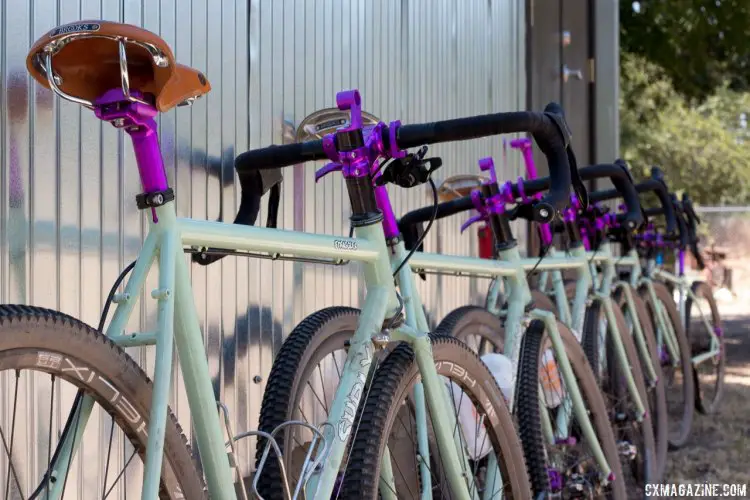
{"points": [[481, 330], [671, 345], [126, 75], [680, 351], [704, 348], [371, 467]]}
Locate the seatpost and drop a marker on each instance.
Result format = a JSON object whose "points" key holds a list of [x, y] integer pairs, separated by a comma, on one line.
{"points": [[137, 119]]}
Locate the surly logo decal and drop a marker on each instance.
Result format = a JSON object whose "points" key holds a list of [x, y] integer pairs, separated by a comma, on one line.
{"points": [[100, 384], [344, 244], [344, 426], [74, 28]]}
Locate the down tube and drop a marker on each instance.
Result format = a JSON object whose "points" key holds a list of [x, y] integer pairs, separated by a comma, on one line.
{"points": [[380, 302]]}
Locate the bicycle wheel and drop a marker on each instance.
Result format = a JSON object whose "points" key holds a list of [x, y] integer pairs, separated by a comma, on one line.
{"points": [[635, 439], [47, 353], [301, 386], [388, 419], [657, 396], [680, 385], [709, 375], [479, 327], [569, 463]]}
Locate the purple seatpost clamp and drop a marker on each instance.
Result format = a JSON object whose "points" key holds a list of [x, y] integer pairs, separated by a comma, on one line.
{"points": [[363, 161], [487, 206], [137, 119]]}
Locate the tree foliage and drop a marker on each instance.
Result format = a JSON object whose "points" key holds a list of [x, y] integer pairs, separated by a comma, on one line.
{"points": [[700, 44], [701, 147]]}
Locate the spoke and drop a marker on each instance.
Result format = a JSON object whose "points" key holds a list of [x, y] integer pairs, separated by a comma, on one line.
{"points": [[460, 434], [109, 454], [12, 434], [316, 395], [479, 425], [132, 455], [323, 386], [395, 462], [336, 364], [401, 421], [49, 439], [76, 408], [389, 487]]}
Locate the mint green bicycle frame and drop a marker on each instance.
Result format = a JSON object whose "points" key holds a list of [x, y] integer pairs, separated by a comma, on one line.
{"points": [[604, 286], [178, 325], [518, 295], [665, 334]]}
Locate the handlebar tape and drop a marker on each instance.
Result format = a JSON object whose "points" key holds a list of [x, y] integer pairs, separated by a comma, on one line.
{"points": [[549, 129], [652, 185]]}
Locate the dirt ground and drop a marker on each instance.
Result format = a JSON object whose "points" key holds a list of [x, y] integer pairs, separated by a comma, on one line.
{"points": [[719, 450]]}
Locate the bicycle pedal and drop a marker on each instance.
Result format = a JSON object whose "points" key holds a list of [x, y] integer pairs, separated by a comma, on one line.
{"points": [[627, 450]]}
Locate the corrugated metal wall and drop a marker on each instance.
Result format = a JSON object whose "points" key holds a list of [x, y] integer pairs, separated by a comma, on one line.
{"points": [[68, 223]]}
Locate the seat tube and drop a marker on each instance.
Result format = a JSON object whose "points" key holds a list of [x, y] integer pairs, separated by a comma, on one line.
{"points": [[177, 321]]}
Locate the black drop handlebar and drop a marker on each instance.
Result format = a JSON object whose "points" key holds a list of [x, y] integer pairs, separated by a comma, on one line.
{"points": [[657, 186], [549, 129], [619, 177]]}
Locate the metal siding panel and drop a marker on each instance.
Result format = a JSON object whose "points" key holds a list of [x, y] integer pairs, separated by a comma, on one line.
{"points": [[64, 239]]}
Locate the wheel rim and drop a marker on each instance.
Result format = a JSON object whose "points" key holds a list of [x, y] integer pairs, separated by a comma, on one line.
{"points": [[43, 400]]}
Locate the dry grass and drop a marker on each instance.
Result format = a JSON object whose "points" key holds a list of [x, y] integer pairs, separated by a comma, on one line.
{"points": [[719, 450]]}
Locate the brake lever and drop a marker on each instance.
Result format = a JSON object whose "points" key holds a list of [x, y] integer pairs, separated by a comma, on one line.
{"points": [[409, 172]]}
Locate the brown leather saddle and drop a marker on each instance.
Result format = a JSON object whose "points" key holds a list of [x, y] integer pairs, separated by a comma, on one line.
{"points": [[458, 186], [87, 57]]}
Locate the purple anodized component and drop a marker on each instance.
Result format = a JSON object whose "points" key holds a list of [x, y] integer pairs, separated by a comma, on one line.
{"points": [[568, 441], [357, 162], [138, 121], [492, 205], [363, 161], [524, 144], [555, 480], [664, 356]]}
